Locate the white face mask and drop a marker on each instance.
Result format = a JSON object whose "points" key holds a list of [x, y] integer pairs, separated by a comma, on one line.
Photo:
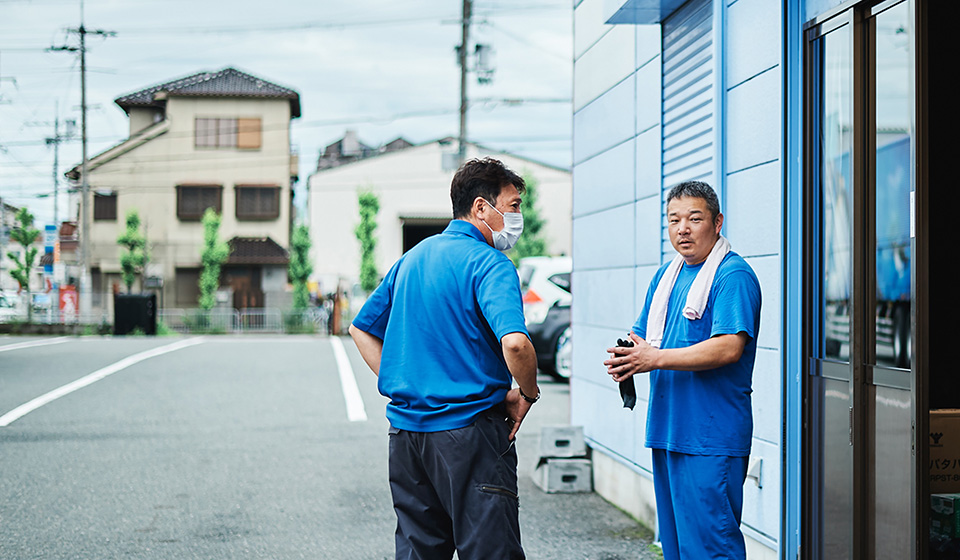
{"points": [[505, 239]]}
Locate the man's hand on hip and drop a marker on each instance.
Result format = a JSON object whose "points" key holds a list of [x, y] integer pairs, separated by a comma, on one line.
{"points": [[517, 408]]}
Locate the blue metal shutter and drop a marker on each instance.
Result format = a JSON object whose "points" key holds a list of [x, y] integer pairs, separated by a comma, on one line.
{"points": [[688, 104]]}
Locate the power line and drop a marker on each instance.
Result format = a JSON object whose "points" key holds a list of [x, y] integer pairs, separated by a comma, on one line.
{"points": [[343, 121], [85, 214], [166, 30], [217, 157]]}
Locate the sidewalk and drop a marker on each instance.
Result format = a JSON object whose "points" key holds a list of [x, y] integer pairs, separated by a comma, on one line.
{"points": [[570, 526]]}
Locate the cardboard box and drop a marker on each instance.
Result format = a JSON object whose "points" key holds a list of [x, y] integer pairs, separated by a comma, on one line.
{"points": [[563, 475], [944, 516], [944, 441], [562, 441]]}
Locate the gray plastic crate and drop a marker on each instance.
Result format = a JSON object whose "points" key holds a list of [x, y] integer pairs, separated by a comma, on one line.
{"points": [[562, 441], [557, 475]]}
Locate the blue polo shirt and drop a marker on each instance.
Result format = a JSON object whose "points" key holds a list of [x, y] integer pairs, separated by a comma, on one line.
{"points": [[441, 312], [705, 412]]}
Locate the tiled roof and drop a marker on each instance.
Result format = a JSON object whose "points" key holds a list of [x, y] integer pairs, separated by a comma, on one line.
{"points": [[256, 250], [228, 82]]}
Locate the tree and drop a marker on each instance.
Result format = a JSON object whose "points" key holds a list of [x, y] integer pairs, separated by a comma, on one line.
{"points": [[134, 259], [26, 235], [369, 207], [531, 243], [215, 252], [300, 266]]}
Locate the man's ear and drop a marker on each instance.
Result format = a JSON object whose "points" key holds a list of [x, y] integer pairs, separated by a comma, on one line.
{"points": [[718, 222], [479, 206]]}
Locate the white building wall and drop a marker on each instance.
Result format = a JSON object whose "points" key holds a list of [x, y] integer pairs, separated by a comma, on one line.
{"points": [[615, 236], [410, 183], [753, 209], [617, 222]]}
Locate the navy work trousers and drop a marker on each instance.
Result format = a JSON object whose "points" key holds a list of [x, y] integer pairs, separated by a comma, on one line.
{"points": [[456, 490], [699, 503]]}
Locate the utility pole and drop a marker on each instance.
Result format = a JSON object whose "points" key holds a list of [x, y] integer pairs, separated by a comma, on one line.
{"points": [[55, 141], [82, 32], [482, 65], [462, 51]]}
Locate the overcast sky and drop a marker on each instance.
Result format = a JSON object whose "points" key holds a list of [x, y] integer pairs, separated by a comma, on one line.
{"points": [[383, 68]]}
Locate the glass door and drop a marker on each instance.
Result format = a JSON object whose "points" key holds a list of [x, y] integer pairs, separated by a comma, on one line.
{"points": [[857, 392], [829, 383], [888, 337]]}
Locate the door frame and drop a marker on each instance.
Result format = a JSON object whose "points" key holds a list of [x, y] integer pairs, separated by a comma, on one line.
{"points": [[863, 169], [920, 278], [812, 334]]}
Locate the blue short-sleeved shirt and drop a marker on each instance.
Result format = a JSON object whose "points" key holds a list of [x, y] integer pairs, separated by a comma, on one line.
{"points": [[705, 412], [441, 312]]}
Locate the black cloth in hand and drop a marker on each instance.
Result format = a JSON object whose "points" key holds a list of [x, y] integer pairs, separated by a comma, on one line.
{"points": [[628, 391]]}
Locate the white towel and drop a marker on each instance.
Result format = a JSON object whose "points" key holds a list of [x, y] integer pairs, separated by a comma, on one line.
{"points": [[696, 297]]}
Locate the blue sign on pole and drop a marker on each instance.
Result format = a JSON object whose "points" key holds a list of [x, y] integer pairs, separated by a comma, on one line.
{"points": [[49, 239]]}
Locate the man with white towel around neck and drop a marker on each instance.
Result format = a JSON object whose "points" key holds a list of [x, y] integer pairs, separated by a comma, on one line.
{"points": [[697, 336]]}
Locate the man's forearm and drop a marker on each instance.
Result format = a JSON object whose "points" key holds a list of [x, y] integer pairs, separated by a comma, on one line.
{"points": [[712, 353], [521, 360], [370, 347]]}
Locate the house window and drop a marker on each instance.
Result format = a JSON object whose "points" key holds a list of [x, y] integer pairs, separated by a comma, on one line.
{"points": [[187, 287], [105, 207], [217, 132], [258, 202], [193, 200], [248, 134]]}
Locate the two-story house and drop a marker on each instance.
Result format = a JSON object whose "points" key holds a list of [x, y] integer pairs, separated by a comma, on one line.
{"points": [[210, 140]]}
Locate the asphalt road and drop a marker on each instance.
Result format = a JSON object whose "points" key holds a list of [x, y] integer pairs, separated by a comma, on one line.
{"points": [[230, 448]]}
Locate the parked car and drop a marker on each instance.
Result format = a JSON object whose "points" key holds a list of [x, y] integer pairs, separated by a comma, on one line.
{"points": [[545, 285]]}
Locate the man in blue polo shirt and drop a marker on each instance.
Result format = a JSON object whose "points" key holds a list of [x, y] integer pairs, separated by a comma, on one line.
{"points": [[445, 334], [697, 336]]}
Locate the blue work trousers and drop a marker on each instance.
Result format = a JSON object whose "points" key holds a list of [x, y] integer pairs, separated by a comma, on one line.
{"points": [[699, 503], [456, 490]]}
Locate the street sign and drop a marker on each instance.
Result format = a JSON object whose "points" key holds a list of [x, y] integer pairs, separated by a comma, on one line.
{"points": [[49, 241], [49, 235]]}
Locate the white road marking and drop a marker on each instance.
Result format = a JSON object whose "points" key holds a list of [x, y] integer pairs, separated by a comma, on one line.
{"points": [[36, 403], [34, 343], [348, 382]]}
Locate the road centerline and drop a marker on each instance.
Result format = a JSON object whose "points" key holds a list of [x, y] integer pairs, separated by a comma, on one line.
{"points": [[91, 378], [348, 383]]}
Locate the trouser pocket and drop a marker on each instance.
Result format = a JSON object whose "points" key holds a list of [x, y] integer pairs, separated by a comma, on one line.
{"points": [[499, 491]]}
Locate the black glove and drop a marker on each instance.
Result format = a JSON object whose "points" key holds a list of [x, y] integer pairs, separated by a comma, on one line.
{"points": [[628, 391]]}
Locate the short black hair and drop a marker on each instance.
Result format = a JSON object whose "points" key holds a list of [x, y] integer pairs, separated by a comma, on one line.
{"points": [[697, 189], [480, 177]]}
